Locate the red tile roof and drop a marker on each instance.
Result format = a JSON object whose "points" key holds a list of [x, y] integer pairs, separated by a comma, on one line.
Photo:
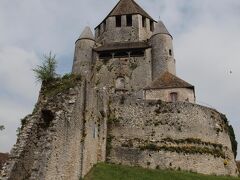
{"points": [[167, 81]]}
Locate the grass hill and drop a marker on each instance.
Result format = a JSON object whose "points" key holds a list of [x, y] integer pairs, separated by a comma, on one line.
{"points": [[116, 172]]}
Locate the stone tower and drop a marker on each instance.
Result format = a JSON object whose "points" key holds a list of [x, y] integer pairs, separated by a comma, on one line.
{"points": [[127, 106], [83, 54], [162, 51]]}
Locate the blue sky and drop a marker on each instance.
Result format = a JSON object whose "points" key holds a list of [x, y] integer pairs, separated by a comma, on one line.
{"points": [[206, 43]]}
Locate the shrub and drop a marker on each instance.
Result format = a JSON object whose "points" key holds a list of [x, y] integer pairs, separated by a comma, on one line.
{"points": [[47, 71]]}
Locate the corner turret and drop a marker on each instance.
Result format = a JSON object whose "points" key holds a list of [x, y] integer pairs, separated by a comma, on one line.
{"points": [[83, 53], [162, 51]]}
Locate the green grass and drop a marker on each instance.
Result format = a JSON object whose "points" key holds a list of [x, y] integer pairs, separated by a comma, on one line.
{"points": [[104, 171]]}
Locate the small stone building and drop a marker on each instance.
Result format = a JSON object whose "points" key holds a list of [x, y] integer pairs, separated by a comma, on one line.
{"points": [[170, 88]]}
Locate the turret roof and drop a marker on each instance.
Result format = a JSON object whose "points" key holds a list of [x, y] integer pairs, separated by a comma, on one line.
{"points": [[86, 34], [128, 7], [125, 7], [168, 80], [160, 28]]}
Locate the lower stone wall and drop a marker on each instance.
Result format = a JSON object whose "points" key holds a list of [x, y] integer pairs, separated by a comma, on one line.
{"points": [[169, 136], [61, 140]]}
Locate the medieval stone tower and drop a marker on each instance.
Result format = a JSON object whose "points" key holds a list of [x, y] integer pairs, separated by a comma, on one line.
{"points": [[122, 104]]}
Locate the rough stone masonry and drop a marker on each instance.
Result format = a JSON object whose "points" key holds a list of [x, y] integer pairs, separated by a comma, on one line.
{"points": [[124, 104]]}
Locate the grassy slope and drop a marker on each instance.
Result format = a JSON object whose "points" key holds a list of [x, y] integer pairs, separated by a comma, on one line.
{"points": [[117, 172]]}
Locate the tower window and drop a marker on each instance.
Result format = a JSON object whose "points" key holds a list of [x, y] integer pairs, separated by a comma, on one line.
{"points": [[120, 83], [170, 52], [174, 96], [118, 21], [143, 21], [151, 25], [104, 25], [129, 20]]}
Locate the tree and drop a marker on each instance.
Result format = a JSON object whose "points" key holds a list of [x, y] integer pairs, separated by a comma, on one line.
{"points": [[2, 127], [47, 71]]}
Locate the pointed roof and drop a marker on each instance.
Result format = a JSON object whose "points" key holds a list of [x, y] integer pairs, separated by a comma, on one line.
{"points": [[86, 34], [160, 28], [125, 7], [167, 81]]}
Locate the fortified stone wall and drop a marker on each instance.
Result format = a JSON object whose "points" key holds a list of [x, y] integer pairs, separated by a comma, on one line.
{"points": [[169, 135], [125, 33], [135, 70], [59, 140], [184, 94]]}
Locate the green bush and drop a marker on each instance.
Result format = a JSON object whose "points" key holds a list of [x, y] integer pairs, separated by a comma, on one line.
{"points": [[47, 71]]}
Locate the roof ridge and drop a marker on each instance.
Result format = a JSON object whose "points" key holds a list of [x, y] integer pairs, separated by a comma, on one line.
{"points": [[168, 80]]}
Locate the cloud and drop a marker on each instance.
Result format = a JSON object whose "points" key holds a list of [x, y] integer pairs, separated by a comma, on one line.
{"points": [[18, 91]]}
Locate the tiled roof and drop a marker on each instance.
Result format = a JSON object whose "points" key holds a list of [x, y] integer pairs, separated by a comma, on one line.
{"points": [[160, 28], [125, 7], [128, 7], [122, 46], [168, 80], [86, 34]]}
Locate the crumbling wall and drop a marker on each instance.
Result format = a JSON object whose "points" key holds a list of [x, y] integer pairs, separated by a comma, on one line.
{"points": [[169, 136], [56, 141]]}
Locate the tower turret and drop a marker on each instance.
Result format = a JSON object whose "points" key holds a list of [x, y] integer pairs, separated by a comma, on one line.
{"points": [[83, 53], [162, 51]]}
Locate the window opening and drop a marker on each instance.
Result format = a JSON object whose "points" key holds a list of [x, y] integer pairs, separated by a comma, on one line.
{"points": [[118, 21], [174, 97], [170, 52], [129, 20], [104, 25], [143, 21], [151, 26]]}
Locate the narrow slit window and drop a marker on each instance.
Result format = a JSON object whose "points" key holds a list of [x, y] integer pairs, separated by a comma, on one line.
{"points": [[170, 52], [143, 21], [151, 26], [118, 21], [129, 20]]}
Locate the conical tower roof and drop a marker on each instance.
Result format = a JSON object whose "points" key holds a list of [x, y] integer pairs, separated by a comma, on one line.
{"points": [[160, 28], [86, 34]]}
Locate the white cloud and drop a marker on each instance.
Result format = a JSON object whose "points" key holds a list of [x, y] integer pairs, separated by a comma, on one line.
{"points": [[18, 91]]}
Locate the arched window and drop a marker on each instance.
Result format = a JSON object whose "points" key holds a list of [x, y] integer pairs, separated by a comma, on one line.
{"points": [[173, 97], [120, 83]]}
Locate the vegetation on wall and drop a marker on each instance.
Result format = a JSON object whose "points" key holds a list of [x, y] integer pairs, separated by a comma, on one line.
{"points": [[59, 85], [233, 140], [2, 127], [47, 71], [231, 133], [184, 149]]}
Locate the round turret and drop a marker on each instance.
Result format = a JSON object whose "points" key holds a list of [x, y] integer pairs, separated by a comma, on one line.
{"points": [[83, 53], [162, 51]]}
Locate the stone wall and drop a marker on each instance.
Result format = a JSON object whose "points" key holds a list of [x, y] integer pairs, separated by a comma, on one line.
{"points": [[169, 136], [136, 72], [124, 33], [57, 140], [183, 94]]}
